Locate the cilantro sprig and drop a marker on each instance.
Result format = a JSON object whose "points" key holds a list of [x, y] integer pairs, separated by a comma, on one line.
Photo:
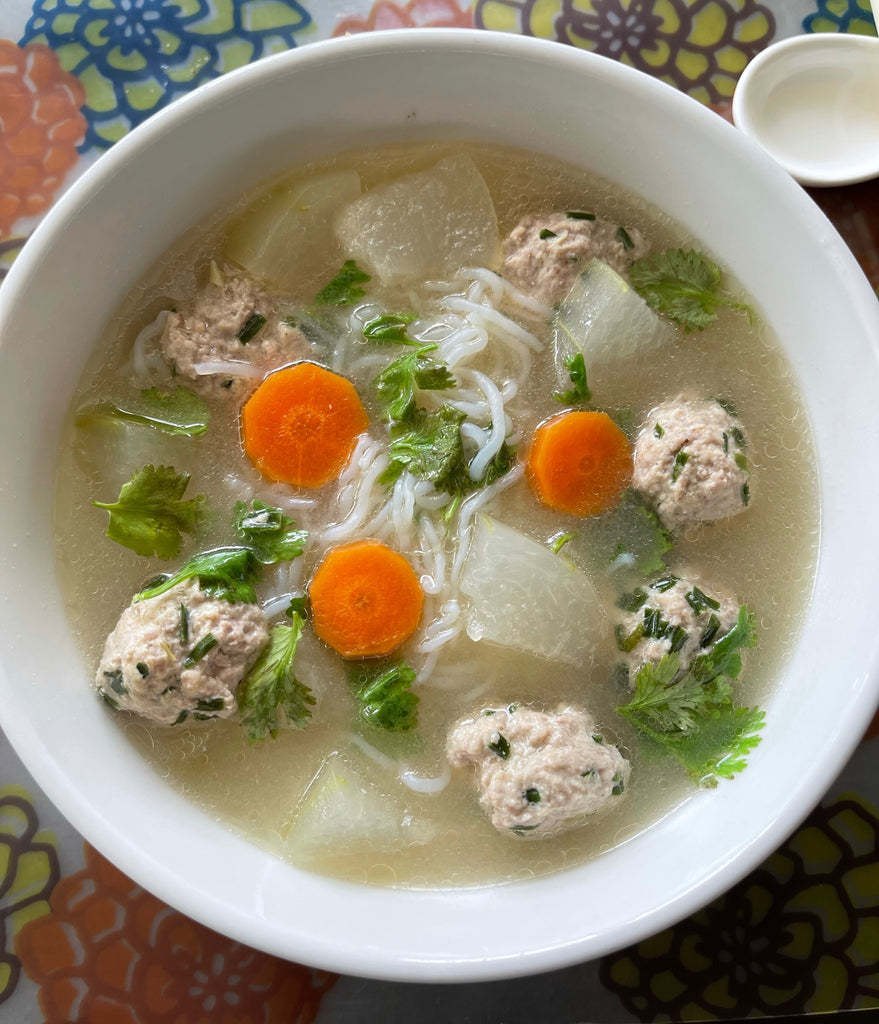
{"points": [[345, 287], [231, 573], [690, 715], [178, 412], [580, 392], [271, 687], [399, 382], [390, 327], [268, 532], [228, 573], [630, 538], [684, 285], [383, 690], [150, 515]]}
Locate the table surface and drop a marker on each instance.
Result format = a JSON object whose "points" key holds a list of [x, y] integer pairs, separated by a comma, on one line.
{"points": [[81, 942]]}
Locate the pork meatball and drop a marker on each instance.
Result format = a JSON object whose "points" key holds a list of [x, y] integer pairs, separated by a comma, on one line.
{"points": [[537, 771], [671, 615], [690, 462], [544, 255], [181, 653], [231, 319]]}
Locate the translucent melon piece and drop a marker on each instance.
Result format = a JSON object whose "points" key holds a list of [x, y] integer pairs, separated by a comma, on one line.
{"points": [[603, 317], [113, 450], [524, 596], [341, 813], [289, 229], [423, 225]]}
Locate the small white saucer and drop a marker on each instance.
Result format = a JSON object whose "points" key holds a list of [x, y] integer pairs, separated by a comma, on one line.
{"points": [[812, 103]]}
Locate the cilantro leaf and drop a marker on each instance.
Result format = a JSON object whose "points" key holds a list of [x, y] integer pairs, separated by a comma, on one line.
{"points": [[398, 382], [580, 392], [691, 715], [344, 287], [391, 327], [271, 535], [228, 573], [684, 285], [723, 659], [630, 537], [429, 445], [719, 749], [383, 690], [150, 515], [180, 411], [271, 686]]}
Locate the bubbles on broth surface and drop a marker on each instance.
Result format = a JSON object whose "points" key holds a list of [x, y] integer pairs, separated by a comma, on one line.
{"points": [[256, 788]]}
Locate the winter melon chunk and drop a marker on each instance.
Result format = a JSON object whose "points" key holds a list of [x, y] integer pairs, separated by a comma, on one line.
{"points": [[423, 225]]}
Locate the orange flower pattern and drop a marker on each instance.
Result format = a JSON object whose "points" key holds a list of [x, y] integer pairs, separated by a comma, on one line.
{"points": [[40, 128], [112, 953], [415, 14]]}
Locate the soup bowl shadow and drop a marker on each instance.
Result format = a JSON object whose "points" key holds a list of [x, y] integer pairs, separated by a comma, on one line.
{"points": [[204, 150]]}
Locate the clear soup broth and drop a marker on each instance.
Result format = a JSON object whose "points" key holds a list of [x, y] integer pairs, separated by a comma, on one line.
{"points": [[340, 796]]}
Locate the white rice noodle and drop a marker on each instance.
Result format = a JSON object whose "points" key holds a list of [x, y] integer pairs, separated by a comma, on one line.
{"points": [[277, 605], [493, 439], [469, 507], [229, 368], [359, 496], [502, 324], [442, 630], [501, 290], [145, 358], [372, 753], [427, 666], [420, 784], [427, 497]]}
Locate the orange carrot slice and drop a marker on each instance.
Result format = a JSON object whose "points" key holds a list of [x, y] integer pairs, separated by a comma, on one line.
{"points": [[579, 462], [365, 599], [301, 424]]}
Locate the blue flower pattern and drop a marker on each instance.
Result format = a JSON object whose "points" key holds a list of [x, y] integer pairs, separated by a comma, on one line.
{"points": [[853, 16], [135, 56]]}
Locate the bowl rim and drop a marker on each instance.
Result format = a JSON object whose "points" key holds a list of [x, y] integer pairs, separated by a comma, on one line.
{"points": [[158, 877]]}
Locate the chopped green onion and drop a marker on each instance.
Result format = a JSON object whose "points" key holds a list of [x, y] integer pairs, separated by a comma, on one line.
{"points": [[532, 795], [559, 541], [579, 215], [681, 459], [699, 601], [665, 583], [252, 326], [632, 602], [627, 642], [546, 233], [658, 430], [500, 746], [207, 643], [710, 631], [624, 237]]}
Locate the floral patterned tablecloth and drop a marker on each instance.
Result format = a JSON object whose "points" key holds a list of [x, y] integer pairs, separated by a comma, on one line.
{"points": [[79, 941]]}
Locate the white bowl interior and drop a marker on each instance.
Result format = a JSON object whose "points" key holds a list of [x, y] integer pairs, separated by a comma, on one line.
{"points": [[204, 150]]}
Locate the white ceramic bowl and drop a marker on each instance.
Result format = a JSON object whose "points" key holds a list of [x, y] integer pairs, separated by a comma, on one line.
{"points": [[112, 225]]}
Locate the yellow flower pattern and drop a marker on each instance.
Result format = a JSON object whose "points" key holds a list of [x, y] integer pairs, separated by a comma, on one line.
{"points": [[699, 46]]}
